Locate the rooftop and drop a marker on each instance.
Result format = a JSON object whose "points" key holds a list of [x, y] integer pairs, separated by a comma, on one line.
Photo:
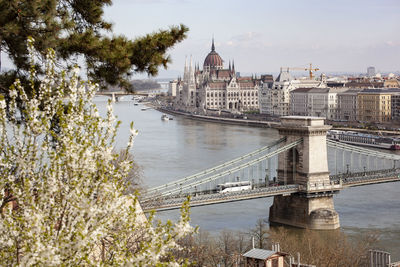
{"points": [[261, 254]]}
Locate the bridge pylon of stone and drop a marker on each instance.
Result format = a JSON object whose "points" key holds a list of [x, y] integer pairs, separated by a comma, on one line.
{"points": [[307, 166]]}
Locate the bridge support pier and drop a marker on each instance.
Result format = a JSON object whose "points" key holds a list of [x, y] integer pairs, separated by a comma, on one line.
{"points": [[303, 212], [307, 166]]}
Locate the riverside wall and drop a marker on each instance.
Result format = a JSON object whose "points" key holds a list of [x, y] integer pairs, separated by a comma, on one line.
{"points": [[254, 123]]}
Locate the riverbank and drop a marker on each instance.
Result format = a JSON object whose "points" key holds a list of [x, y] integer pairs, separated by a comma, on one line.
{"points": [[265, 123], [254, 123]]}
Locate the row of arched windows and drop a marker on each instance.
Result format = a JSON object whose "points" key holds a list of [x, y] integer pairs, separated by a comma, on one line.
{"points": [[216, 94], [232, 94]]}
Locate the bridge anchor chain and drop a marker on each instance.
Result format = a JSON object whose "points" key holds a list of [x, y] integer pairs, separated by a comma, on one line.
{"points": [[307, 166]]}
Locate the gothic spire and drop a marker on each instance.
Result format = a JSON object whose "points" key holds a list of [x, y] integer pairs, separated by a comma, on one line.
{"points": [[212, 45], [191, 71], [186, 70]]}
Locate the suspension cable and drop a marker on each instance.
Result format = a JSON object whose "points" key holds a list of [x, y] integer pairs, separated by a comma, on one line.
{"points": [[361, 150], [214, 169], [237, 168]]}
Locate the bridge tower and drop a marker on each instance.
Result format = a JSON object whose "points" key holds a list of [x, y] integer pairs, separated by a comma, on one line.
{"points": [[307, 166]]}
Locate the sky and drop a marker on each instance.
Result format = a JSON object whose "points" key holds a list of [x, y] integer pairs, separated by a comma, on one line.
{"points": [[262, 35]]}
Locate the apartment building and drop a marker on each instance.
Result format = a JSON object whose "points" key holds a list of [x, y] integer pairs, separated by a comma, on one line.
{"points": [[374, 105], [319, 102], [275, 99], [347, 105]]}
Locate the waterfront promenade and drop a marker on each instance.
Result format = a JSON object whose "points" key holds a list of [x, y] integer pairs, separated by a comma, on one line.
{"points": [[239, 121]]}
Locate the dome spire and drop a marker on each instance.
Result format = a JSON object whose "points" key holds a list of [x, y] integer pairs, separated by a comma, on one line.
{"points": [[212, 45]]}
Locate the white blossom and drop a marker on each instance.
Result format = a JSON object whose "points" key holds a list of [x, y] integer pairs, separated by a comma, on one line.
{"points": [[59, 168]]}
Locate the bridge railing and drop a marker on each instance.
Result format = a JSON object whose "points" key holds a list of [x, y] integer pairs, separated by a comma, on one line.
{"points": [[198, 200], [377, 178], [324, 186], [380, 173]]}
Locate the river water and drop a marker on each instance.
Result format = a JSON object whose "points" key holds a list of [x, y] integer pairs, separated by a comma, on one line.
{"points": [[169, 150]]}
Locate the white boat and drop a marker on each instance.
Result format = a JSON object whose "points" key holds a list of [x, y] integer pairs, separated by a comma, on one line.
{"points": [[164, 117], [145, 108]]}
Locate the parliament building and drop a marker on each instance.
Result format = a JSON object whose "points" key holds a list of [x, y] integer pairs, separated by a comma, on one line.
{"points": [[217, 88]]}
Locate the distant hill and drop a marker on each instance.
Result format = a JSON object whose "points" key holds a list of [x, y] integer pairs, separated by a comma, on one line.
{"points": [[143, 85]]}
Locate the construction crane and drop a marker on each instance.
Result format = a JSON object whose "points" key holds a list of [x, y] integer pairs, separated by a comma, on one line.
{"points": [[310, 70]]}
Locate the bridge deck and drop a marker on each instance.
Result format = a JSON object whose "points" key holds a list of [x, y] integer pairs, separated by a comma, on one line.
{"points": [[216, 198], [175, 202]]}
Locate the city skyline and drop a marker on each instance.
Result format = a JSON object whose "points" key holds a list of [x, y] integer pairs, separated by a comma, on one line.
{"points": [[262, 36]]}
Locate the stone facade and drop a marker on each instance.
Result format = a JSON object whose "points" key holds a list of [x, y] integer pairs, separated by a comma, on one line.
{"points": [[374, 105], [395, 102], [307, 166], [320, 102], [347, 105], [275, 98], [216, 88]]}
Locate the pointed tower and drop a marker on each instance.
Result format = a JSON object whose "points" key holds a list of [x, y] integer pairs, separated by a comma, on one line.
{"points": [[212, 61], [191, 72], [186, 71]]}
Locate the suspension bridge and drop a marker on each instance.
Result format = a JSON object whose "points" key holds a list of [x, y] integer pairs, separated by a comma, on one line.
{"points": [[294, 170]]}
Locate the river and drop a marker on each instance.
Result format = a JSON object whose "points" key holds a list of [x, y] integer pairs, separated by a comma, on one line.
{"points": [[169, 150]]}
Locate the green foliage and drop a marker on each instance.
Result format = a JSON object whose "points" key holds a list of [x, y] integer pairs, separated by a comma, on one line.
{"points": [[76, 28]]}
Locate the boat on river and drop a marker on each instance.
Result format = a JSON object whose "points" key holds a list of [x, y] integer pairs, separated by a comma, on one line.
{"points": [[165, 117], [356, 138]]}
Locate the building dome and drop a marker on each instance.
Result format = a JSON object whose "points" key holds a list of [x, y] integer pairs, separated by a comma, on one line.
{"points": [[213, 60]]}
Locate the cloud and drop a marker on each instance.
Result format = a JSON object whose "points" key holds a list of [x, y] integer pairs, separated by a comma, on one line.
{"points": [[248, 40], [392, 43], [247, 36]]}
